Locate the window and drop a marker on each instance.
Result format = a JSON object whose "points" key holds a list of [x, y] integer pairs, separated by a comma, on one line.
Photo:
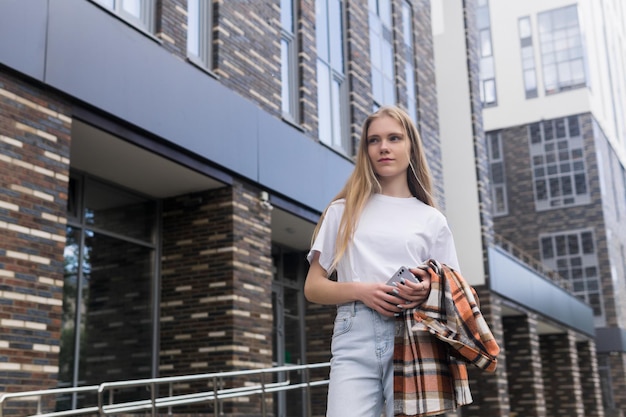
{"points": [[409, 66], [138, 12], [561, 49], [111, 249], [528, 57], [200, 32], [488, 94], [497, 174], [558, 165], [288, 62], [573, 255], [331, 101], [381, 52]]}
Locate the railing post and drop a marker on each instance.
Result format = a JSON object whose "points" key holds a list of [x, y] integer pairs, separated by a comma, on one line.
{"points": [[171, 393], [215, 401], [263, 411], [307, 377], [153, 398]]}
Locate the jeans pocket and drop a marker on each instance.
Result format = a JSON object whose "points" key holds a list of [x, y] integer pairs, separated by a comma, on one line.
{"points": [[343, 323]]}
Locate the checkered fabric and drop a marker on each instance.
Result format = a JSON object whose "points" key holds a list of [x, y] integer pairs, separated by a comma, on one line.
{"points": [[435, 341]]}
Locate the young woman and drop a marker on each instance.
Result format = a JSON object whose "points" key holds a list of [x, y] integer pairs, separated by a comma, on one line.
{"points": [[382, 219]]}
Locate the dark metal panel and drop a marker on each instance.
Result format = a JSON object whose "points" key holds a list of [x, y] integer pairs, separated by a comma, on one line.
{"points": [[102, 61], [23, 35], [298, 167], [525, 287], [610, 339]]}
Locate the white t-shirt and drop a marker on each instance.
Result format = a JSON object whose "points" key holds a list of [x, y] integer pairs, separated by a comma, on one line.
{"points": [[391, 232]]}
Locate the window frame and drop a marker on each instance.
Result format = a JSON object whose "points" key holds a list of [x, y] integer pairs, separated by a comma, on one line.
{"points": [[204, 58], [549, 141], [289, 68], [380, 20], [146, 22], [497, 187], [335, 134]]}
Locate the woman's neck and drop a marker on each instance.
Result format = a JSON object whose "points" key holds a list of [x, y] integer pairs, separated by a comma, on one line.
{"points": [[396, 189]]}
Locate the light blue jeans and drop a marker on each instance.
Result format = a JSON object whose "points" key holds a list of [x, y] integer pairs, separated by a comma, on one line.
{"points": [[361, 367]]}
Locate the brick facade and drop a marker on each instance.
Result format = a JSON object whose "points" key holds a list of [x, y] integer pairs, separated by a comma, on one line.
{"points": [[35, 136], [561, 375], [216, 295]]}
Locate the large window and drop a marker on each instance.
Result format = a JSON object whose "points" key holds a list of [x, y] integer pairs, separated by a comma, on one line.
{"points": [[107, 328], [558, 164], [497, 173], [381, 51], [409, 66], [573, 255], [488, 94], [331, 88], [288, 61], [200, 32], [561, 49], [138, 12], [528, 57]]}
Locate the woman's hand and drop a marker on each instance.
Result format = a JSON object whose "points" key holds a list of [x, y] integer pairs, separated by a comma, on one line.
{"points": [[411, 294]]}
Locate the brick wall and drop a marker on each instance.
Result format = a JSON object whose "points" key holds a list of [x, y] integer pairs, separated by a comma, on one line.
{"points": [[526, 390], [216, 302], [34, 162], [589, 378], [561, 375]]}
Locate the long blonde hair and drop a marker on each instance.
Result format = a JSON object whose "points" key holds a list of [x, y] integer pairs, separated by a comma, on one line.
{"points": [[363, 181]]}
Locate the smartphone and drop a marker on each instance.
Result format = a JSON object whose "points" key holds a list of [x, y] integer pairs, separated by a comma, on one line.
{"points": [[402, 272]]}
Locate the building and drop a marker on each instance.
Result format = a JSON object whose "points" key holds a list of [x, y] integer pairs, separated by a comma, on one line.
{"points": [[552, 83], [164, 163]]}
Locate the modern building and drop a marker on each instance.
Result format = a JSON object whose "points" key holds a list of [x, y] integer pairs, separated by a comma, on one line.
{"points": [[163, 164], [552, 84]]}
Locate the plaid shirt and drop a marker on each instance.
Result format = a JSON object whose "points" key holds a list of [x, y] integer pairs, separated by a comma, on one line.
{"points": [[433, 344]]}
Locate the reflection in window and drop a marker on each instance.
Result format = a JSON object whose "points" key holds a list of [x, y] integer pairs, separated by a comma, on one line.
{"points": [[331, 101], [558, 165], [573, 256], [561, 49], [106, 331], [381, 52]]}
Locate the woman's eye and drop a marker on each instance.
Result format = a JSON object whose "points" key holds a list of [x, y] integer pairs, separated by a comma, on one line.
{"points": [[372, 140], [394, 138]]}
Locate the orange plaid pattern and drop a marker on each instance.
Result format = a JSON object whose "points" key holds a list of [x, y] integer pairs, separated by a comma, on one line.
{"points": [[435, 341]]}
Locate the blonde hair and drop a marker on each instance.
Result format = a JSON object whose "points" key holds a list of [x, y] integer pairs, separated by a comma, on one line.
{"points": [[363, 181]]}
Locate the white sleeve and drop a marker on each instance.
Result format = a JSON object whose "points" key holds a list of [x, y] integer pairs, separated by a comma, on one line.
{"points": [[325, 241], [444, 249]]}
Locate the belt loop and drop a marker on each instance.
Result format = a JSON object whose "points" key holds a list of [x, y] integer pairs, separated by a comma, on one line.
{"points": [[353, 306]]}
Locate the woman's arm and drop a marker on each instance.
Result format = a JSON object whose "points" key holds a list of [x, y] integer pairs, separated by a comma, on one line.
{"points": [[321, 290]]}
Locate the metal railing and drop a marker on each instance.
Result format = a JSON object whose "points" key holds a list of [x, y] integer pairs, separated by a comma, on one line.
{"points": [[105, 392]]}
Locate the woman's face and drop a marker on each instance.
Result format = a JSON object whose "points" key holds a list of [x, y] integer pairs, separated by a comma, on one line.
{"points": [[388, 148]]}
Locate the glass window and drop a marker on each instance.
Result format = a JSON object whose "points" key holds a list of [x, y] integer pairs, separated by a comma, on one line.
{"points": [[575, 259], [561, 49], [107, 320], [497, 174], [138, 12], [331, 74], [200, 32], [382, 53], [409, 66], [528, 56], [488, 94], [559, 172], [288, 61]]}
